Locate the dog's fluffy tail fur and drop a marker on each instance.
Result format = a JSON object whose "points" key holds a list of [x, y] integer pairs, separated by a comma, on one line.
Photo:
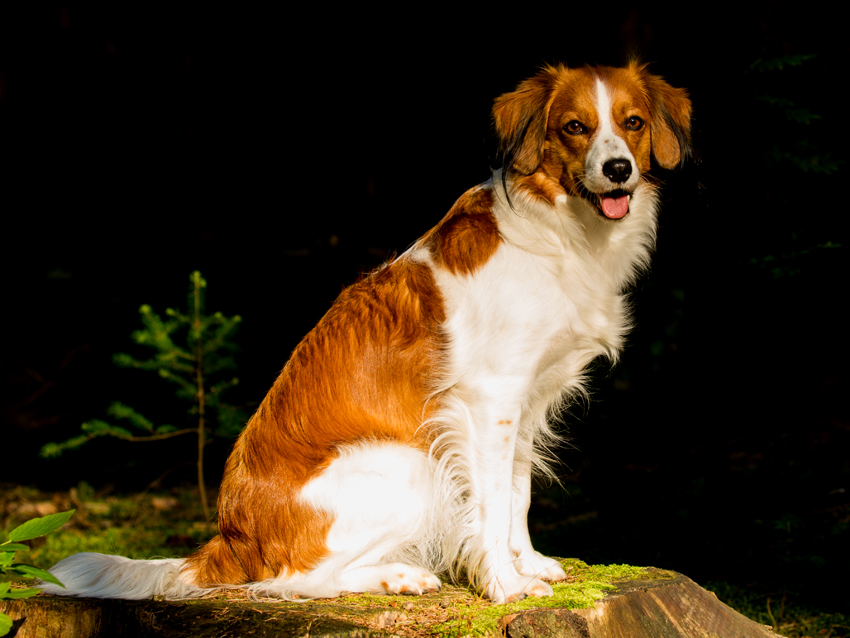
{"points": [[102, 576]]}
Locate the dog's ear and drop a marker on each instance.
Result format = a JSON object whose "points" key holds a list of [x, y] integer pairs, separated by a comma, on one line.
{"points": [[670, 128], [520, 119]]}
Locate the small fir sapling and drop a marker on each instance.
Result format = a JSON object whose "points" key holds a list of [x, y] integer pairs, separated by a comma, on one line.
{"points": [[192, 349]]}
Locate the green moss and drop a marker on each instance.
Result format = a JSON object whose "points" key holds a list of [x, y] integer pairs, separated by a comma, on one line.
{"points": [[586, 585], [472, 615]]}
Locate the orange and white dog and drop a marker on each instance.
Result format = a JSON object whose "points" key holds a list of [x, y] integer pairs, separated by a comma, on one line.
{"points": [[400, 439]]}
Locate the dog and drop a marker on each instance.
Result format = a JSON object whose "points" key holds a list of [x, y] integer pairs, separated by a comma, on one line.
{"points": [[400, 439]]}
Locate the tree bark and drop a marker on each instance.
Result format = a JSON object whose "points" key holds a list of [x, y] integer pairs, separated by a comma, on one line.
{"points": [[54, 617], [672, 608]]}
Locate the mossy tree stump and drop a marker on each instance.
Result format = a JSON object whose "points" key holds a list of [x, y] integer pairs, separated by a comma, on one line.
{"points": [[597, 602], [658, 608]]}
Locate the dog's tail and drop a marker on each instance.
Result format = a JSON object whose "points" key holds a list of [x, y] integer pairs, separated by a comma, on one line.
{"points": [[103, 576]]}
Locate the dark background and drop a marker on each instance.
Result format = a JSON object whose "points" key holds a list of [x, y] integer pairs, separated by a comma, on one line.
{"points": [[283, 154]]}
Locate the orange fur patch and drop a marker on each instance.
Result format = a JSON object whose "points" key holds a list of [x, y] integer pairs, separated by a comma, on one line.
{"points": [[361, 373], [467, 236]]}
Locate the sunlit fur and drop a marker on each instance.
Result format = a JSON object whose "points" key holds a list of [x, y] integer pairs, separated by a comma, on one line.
{"points": [[400, 438]]}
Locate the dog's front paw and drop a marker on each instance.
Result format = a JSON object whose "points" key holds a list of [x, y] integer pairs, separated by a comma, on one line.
{"points": [[536, 564], [509, 589]]}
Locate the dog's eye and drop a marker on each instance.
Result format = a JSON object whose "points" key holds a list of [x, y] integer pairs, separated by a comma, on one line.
{"points": [[574, 127], [634, 123]]}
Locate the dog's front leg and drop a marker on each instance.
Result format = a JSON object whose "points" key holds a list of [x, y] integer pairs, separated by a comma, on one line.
{"points": [[490, 564], [528, 561]]}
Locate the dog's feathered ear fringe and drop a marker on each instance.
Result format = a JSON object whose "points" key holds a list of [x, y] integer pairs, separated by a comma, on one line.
{"points": [[520, 118], [671, 117]]}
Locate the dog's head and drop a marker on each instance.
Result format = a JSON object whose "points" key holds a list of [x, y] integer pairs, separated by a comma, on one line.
{"points": [[590, 132]]}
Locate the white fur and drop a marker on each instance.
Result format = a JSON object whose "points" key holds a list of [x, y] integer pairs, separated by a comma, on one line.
{"points": [[520, 331], [382, 498], [607, 145], [102, 576]]}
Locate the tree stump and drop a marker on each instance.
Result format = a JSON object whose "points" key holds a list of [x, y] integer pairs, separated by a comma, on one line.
{"points": [[659, 605], [55, 617], [669, 608]]}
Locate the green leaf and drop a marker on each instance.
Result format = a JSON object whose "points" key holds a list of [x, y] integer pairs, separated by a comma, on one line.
{"points": [[40, 526], [50, 450], [35, 572], [4, 587], [121, 411], [121, 433], [197, 279], [76, 442], [29, 592], [180, 317], [13, 547], [780, 62], [124, 360], [6, 559], [96, 427], [187, 386], [5, 624]]}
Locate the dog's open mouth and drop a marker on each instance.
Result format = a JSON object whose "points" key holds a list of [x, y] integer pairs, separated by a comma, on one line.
{"points": [[614, 205]]}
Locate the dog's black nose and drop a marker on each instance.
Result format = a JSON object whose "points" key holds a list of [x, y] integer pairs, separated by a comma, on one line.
{"points": [[617, 170]]}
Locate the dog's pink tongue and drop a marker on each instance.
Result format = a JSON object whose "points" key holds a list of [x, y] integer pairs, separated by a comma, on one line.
{"points": [[615, 207]]}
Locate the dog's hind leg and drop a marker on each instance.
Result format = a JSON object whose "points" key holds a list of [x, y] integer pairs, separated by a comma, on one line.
{"points": [[380, 496]]}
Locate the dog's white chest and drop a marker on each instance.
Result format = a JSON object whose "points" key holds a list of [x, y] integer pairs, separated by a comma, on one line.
{"points": [[525, 317]]}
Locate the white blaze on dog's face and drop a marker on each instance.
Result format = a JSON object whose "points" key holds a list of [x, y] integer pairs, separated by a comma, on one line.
{"points": [[589, 133], [598, 134], [610, 168]]}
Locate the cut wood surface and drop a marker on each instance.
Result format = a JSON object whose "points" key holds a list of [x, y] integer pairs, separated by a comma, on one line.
{"points": [[669, 608], [661, 604]]}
